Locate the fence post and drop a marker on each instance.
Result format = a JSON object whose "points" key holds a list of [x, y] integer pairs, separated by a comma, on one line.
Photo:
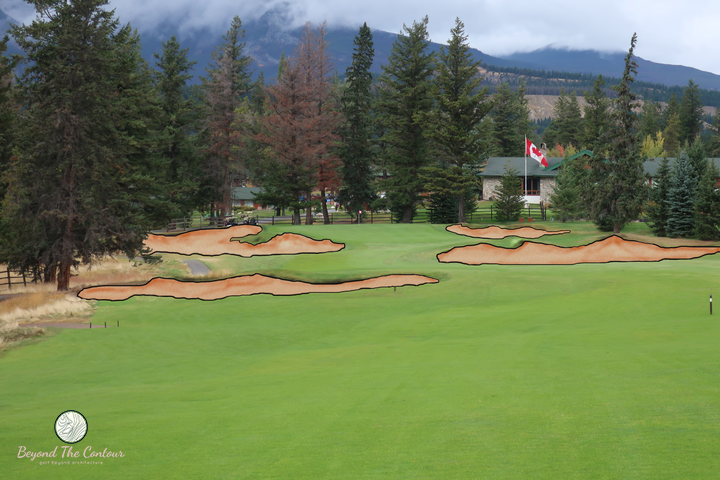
{"points": [[273, 220], [371, 217], [491, 212], [8, 275]]}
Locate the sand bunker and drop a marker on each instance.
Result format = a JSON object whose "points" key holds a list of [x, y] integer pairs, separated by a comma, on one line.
{"points": [[244, 285], [217, 242], [496, 233], [611, 249]]}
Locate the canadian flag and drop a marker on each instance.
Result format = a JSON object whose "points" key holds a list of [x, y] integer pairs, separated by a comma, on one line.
{"points": [[535, 153]]}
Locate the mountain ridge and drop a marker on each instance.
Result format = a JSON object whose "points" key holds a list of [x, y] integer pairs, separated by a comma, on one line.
{"points": [[267, 38]]}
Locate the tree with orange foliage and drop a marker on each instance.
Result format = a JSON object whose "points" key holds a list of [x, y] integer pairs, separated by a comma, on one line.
{"points": [[299, 129]]}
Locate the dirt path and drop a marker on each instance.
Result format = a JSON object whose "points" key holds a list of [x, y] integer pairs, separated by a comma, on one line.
{"points": [[197, 268]]}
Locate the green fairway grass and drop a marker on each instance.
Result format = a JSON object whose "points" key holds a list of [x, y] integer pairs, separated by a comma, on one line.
{"points": [[497, 372]]}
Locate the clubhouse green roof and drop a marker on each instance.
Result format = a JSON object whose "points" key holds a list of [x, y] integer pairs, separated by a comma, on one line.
{"points": [[495, 166]]}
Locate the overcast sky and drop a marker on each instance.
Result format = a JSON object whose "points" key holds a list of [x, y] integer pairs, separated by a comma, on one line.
{"points": [[669, 31]]}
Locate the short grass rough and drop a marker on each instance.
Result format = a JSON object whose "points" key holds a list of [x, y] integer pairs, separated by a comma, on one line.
{"points": [[497, 372]]}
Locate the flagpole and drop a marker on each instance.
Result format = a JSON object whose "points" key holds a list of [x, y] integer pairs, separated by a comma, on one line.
{"points": [[525, 150]]}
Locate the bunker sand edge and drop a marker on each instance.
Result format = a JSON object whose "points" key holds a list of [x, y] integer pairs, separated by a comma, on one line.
{"points": [[242, 286], [610, 249]]}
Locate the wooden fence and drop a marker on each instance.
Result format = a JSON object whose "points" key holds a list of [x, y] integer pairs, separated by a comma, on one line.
{"points": [[529, 213], [345, 219], [534, 212], [8, 278]]}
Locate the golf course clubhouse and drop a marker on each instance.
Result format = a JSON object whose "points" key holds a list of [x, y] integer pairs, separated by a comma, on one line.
{"points": [[541, 180]]}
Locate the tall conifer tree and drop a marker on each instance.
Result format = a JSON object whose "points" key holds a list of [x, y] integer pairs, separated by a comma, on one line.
{"points": [[70, 188], [179, 119], [657, 208], [567, 125], [510, 122], [227, 82], [681, 198], [597, 115], [405, 98], [690, 113], [356, 133], [707, 205], [457, 121], [618, 177]]}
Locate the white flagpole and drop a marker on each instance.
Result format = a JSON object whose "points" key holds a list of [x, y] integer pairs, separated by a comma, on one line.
{"points": [[525, 150]]}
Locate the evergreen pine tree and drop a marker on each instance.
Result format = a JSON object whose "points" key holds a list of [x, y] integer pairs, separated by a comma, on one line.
{"points": [[618, 178], [8, 110], [714, 141], [698, 158], [565, 198], [71, 188], [597, 115], [258, 96], [406, 97], [461, 108], [567, 125], [690, 113], [155, 196], [227, 82], [672, 134], [179, 120], [657, 208], [509, 199], [551, 133], [356, 146], [681, 198], [509, 121], [707, 205], [672, 108], [649, 119]]}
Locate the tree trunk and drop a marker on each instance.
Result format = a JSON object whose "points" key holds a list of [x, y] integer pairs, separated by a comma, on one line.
{"points": [[326, 216], [50, 273], [64, 276], [461, 209], [296, 216], [407, 215], [308, 211], [616, 228], [227, 195]]}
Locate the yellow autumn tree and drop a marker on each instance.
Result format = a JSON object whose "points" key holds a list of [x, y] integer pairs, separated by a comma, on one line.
{"points": [[653, 148]]}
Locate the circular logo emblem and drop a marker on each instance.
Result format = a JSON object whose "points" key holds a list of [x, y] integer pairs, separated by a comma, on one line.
{"points": [[71, 426]]}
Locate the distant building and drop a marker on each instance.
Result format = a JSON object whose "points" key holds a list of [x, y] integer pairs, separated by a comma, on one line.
{"points": [[245, 196], [541, 180]]}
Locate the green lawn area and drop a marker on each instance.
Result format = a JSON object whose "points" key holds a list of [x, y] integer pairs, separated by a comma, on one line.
{"points": [[497, 372]]}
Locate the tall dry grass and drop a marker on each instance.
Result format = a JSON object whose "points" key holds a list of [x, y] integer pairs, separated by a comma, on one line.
{"points": [[39, 306]]}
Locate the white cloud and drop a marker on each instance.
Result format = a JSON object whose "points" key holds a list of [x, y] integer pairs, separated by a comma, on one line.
{"points": [[669, 31]]}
